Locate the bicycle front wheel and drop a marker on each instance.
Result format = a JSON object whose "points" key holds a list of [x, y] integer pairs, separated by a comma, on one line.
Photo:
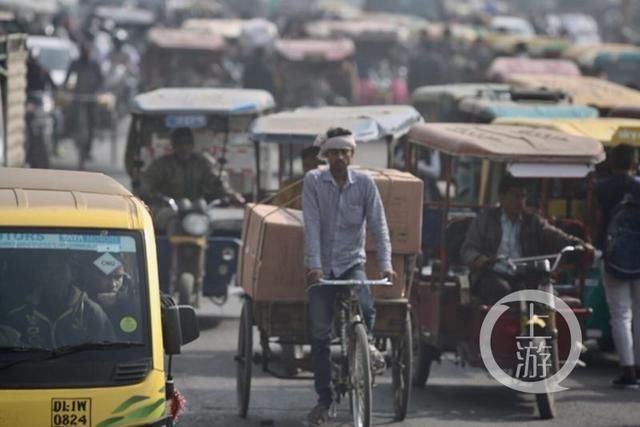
{"points": [[360, 376]]}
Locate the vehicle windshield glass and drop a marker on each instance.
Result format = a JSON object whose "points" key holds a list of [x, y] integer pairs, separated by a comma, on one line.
{"points": [[55, 59], [425, 8], [61, 289]]}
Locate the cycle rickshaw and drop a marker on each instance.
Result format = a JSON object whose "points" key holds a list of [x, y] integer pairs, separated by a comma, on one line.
{"points": [[279, 310], [446, 313], [203, 251]]}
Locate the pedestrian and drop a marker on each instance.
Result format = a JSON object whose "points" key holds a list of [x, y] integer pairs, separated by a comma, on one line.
{"points": [[622, 288], [338, 204]]}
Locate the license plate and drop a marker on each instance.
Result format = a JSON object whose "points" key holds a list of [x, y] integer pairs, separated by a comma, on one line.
{"points": [[70, 412]]}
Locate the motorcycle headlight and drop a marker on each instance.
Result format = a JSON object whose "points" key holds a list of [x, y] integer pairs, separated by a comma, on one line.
{"points": [[195, 224], [228, 254]]}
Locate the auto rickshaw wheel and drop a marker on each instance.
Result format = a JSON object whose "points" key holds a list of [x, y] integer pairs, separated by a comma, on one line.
{"points": [[244, 358], [421, 357], [186, 283], [401, 375]]}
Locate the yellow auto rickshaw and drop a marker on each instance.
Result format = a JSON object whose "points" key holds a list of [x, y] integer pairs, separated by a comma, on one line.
{"points": [[598, 93], [83, 329]]}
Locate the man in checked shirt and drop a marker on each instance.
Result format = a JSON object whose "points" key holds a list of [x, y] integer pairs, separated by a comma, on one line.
{"points": [[338, 205]]}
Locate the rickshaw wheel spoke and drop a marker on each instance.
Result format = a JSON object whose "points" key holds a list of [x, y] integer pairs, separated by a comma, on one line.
{"points": [[360, 374], [244, 358], [401, 373]]}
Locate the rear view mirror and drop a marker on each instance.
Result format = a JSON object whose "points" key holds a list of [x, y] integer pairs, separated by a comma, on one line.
{"points": [[179, 327]]}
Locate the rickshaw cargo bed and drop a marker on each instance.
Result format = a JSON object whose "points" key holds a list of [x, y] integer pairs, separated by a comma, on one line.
{"points": [[401, 194], [271, 267]]}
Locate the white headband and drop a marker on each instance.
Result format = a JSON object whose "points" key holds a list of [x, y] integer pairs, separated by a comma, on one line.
{"points": [[341, 142]]}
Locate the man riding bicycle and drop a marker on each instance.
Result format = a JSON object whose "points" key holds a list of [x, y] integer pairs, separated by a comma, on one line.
{"points": [[338, 205]]}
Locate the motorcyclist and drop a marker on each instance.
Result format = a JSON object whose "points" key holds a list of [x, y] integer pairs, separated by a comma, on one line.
{"points": [[187, 174]]}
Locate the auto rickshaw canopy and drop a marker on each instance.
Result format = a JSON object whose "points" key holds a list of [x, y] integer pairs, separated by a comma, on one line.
{"points": [[185, 39], [536, 46], [590, 55], [456, 92], [303, 125], [315, 50], [231, 29], [487, 110], [126, 16], [520, 145], [592, 91], [54, 198], [609, 131], [202, 100], [504, 67], [359, 30]]}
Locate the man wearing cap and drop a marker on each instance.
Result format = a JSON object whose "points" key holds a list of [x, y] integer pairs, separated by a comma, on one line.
{"points": [[186, 174], [338, 205]]}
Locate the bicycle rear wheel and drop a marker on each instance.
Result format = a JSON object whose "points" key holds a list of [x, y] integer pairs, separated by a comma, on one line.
{"points": [[360, 376]]}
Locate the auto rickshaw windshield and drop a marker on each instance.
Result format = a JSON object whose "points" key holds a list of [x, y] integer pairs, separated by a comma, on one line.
{"points": [[75, 295]]}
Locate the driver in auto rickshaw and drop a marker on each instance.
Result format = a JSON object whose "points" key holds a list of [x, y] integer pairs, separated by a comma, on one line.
{"points": [[509, 231], [187, 174]]}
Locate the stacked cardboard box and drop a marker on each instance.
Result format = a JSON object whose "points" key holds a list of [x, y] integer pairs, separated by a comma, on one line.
{"points": [[401, 195], [272, 263]]}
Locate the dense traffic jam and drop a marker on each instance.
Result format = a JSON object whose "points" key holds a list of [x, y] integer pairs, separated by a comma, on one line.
{"points": [[496, 225]]}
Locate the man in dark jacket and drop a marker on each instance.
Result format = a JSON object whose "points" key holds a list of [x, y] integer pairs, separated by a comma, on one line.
{"points": [[508, 231]]}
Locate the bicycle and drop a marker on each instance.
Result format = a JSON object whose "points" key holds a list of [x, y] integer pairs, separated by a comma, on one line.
{"points": [[351, 372]]}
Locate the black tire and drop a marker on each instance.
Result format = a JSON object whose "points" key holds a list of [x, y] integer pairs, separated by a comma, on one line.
{"points": [[244, 358], [360, 375], [546, 405], [186, 282], [422, 358], [401, 371]]}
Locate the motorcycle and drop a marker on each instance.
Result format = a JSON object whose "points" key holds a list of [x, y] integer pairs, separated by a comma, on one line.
{"points": [[40, 128], [203, 245]]}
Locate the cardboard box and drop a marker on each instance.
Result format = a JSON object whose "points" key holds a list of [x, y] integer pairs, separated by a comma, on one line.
{"points": [[403, 265], [272, 263], [402, 195]]}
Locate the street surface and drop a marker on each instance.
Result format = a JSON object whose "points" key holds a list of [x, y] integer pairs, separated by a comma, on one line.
{"points": [[454, 396]]}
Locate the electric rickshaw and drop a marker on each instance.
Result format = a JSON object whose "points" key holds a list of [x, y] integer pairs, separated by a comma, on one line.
{"points": [[380, 55], [571, 205], [197, 245], [595, 92], [101, 362], [447, 314], [280, 314], [503, 67], [484, 102], [315, 73], [618, 63], [183, 58]]}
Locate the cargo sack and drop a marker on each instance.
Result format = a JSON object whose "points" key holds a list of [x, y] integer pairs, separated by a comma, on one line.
{"points": [[622, 245]]}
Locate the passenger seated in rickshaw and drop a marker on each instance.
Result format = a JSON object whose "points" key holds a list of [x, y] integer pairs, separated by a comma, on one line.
{"points": [[186, 174], [57, 313], [508, 231], [338, 203]]}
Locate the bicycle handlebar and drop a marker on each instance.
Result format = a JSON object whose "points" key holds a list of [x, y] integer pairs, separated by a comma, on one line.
{"points": [[323, 282], [556, 257]]}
